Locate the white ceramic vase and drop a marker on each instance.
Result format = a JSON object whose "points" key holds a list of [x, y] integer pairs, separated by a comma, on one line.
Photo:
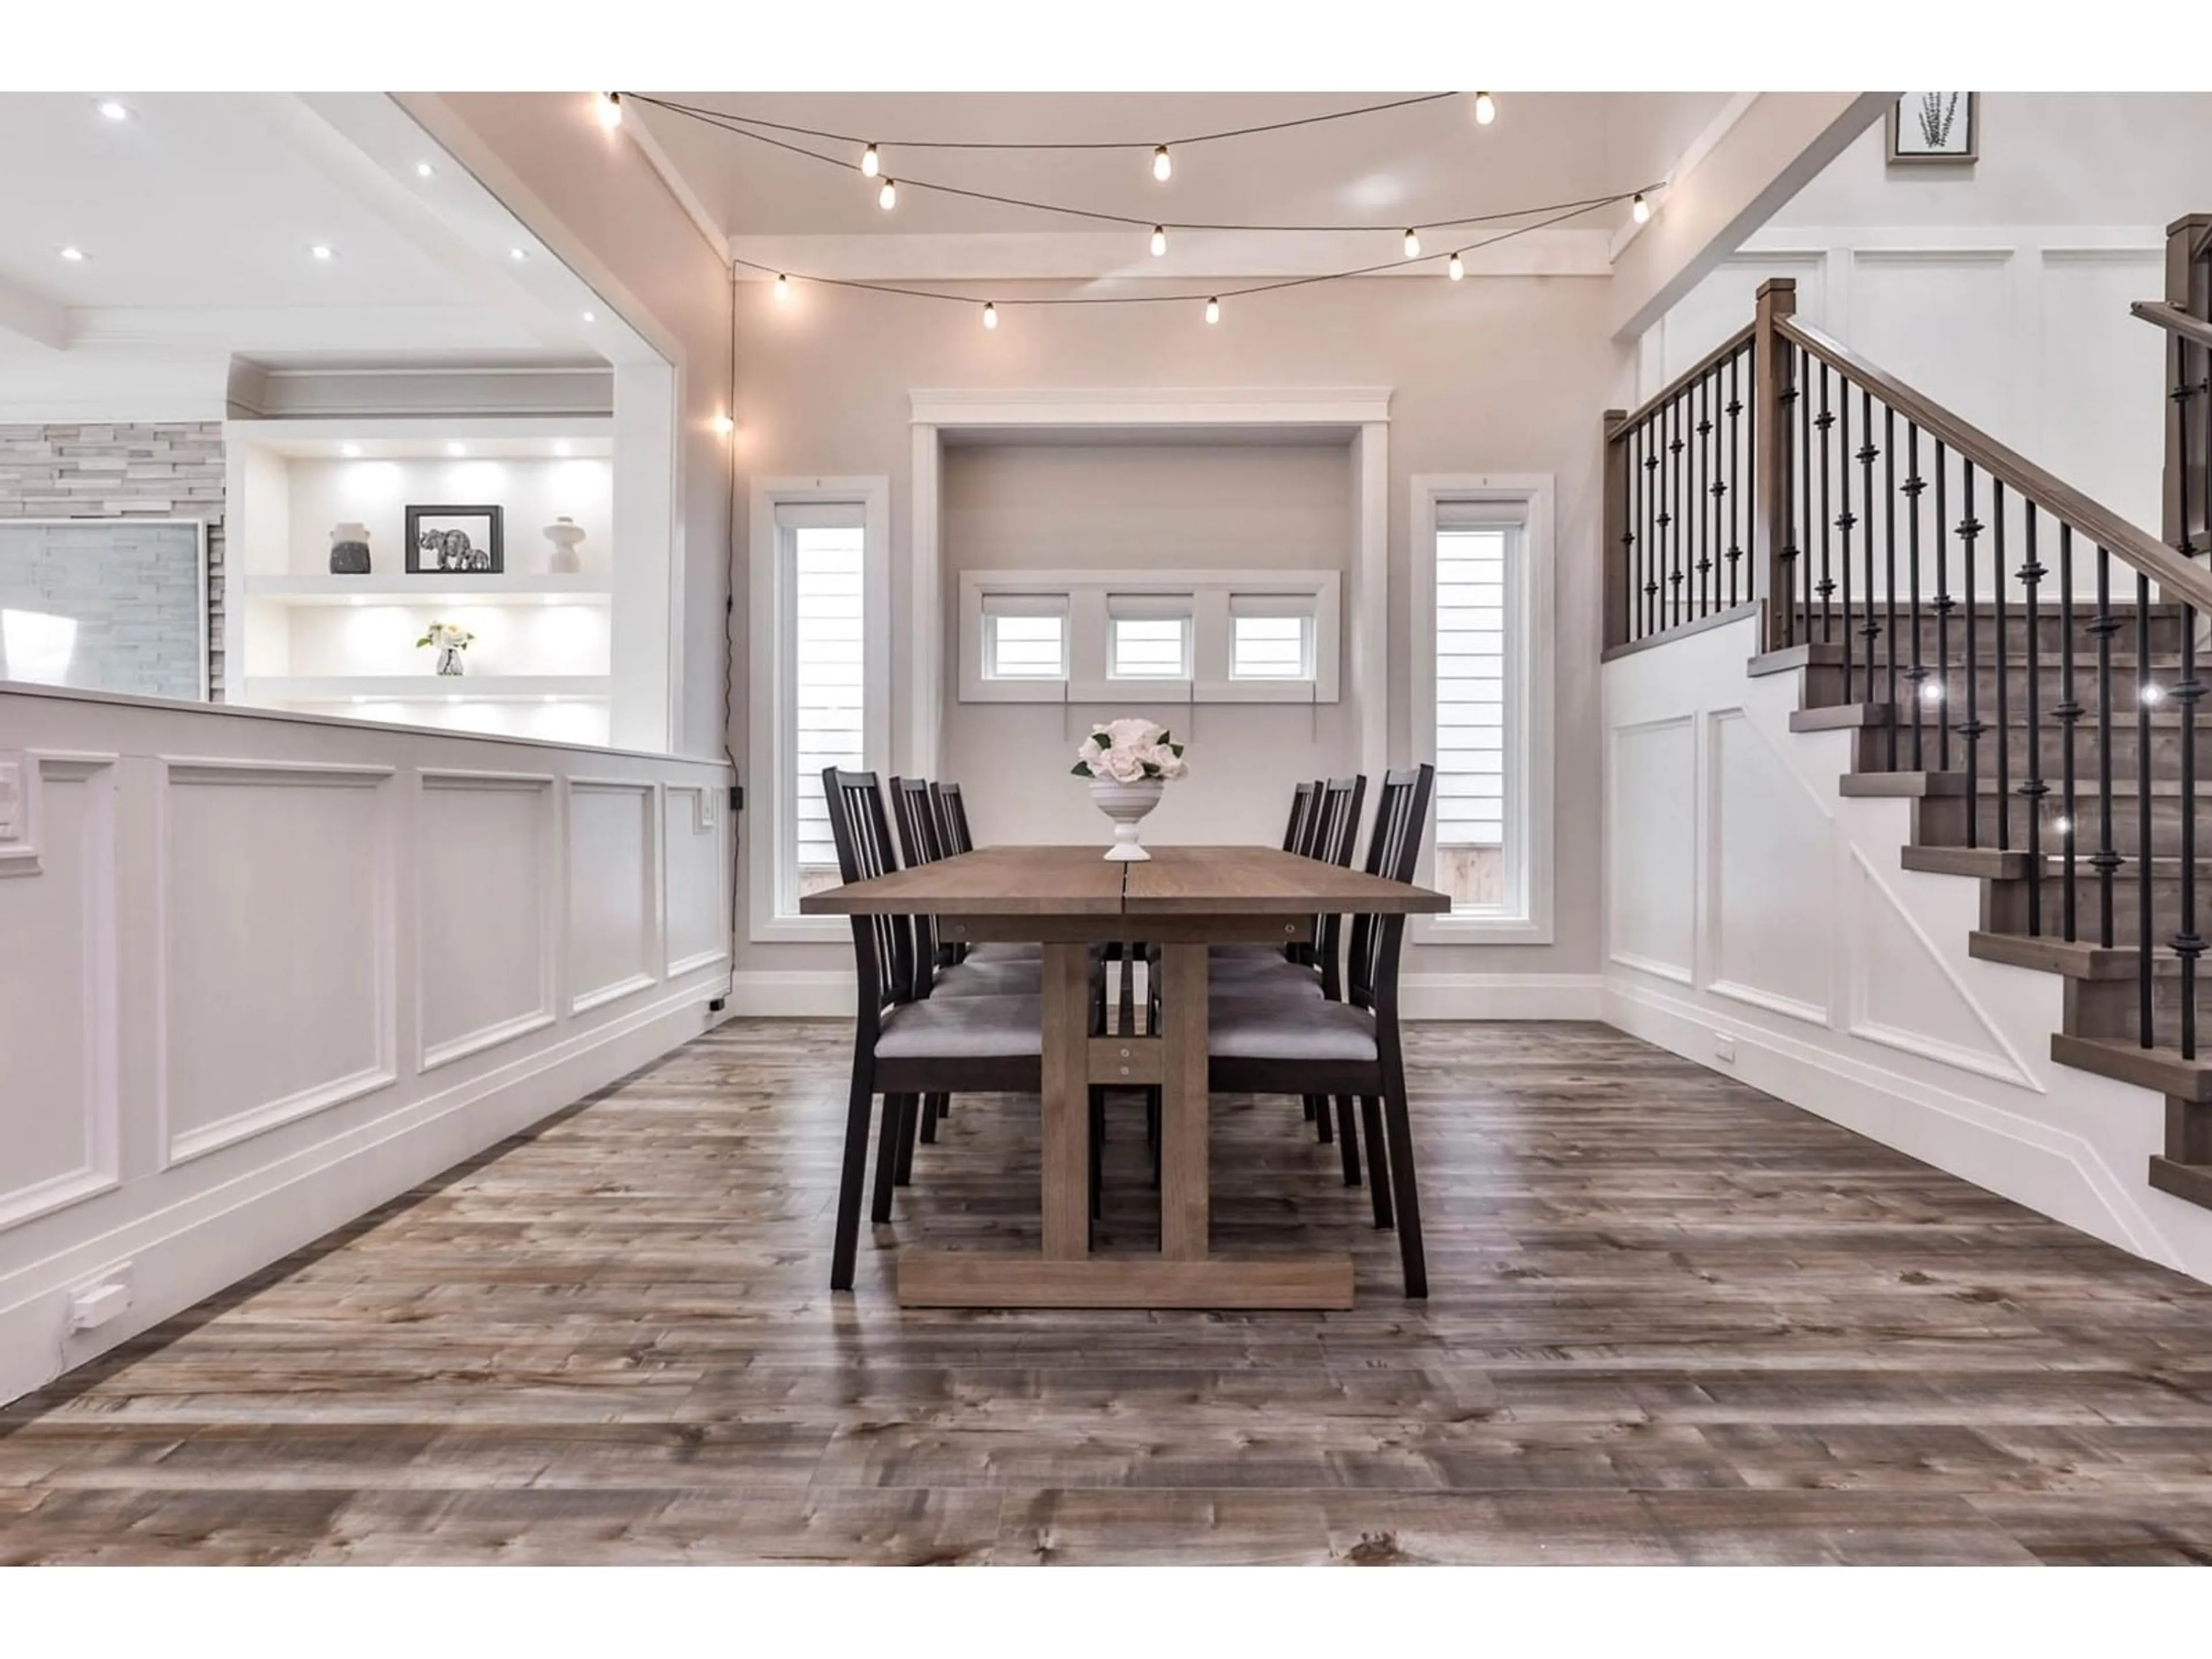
{"points": [[1126, 804], [564, 534]]}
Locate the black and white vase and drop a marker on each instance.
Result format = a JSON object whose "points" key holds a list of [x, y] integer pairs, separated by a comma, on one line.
{"points": [[350, 550]]}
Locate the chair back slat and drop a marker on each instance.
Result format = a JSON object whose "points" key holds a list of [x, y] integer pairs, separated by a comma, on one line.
{"points": [[883, 947], [1295, 833], [1394, 849], [952, 819], [1336, 835], [922, 842]]}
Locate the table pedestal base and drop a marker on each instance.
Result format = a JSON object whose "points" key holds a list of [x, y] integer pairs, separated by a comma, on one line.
{"points": [[977, 1279]]}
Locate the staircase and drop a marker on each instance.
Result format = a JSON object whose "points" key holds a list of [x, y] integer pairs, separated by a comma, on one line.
{"points": [[2009, 656]]}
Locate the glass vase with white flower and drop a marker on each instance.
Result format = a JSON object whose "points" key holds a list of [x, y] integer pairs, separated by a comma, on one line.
{"points": [[451, 640], [1129, 762]]}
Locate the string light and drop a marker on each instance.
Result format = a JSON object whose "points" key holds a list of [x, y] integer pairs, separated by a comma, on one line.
{"points": [[782, 286], [1486, 109], [990, 315], [610, 110], [871, 164], [887, 198], [1162, 168], [1159, 241], [1641, 209], [1213, 311], [1413, 245], [1453, 269]]}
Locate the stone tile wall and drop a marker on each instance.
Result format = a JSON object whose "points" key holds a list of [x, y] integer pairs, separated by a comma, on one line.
{"points": [[161, 470]]}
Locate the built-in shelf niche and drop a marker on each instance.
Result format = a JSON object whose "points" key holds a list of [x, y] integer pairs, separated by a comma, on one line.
{"points": [[301, 637]]}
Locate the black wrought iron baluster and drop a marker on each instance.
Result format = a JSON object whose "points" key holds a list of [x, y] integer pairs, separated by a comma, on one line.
{"points": [[2188, 944], [1971, 728], [1918, 676], [1787, 427], [1942, 607], [2145, 932], [2069, 715], [1997, 579], [2032, 788], [1869, 629], [1654, 525], [1844, 520], [1701, 466], [1827, 586], [2105, 861], [1732, 488], [1677, 564], [1889, 566]]}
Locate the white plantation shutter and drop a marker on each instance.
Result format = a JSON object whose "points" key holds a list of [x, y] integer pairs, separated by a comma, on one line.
{"points": [[1475, 554], [826, 548]]}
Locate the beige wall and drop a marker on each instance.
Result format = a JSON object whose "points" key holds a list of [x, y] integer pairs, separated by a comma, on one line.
{"points": [[1503, 374]]}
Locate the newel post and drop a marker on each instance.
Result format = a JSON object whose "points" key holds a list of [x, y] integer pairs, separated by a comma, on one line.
{"points": [[2188, 288], [1773, 398], [1614, 560]]}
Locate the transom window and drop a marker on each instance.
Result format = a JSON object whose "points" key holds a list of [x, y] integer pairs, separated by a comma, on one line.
{"points": [[1024, 637], [1271, 637], [1148, 637]]}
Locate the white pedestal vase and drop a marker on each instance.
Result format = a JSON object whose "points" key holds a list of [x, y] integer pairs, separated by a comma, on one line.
{"points": [[1126, 804], [564, 534]]}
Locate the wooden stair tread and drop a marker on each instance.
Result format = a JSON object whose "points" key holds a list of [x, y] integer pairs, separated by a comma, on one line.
{"points": [[2016, 863], [2163, 1070], [1906, 783], [2192, 1181], [1837, 716], [2075, 958], [1791, 657]]}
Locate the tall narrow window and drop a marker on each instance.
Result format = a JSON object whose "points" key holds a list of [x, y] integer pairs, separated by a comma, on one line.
{"points": [[820, 678], [1482, 700]]}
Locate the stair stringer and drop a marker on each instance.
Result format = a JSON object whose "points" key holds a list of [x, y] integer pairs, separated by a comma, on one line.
{"points": [[1972, 1090]]}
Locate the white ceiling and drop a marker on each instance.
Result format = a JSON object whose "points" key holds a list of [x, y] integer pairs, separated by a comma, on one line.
{"points": [[1415, 165]]}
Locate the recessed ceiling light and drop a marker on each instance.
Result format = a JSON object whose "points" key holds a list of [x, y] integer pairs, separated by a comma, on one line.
{"points": [[320, 251], [457, 449], [74, 255], [517, 253], [423, 169], [351, 451], [113, 111]]}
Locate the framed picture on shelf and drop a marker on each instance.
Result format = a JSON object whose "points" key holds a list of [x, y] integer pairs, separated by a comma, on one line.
{"points": [[455, 541], [1936, 126]]}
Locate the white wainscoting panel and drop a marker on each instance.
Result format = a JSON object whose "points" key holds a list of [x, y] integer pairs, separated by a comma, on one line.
{"points": [[486, 912], [1770, 839], [1836, 979], [262, 973], [613, 891], [57, 1011], [2103, 370], [1651, 867], [698, 920], [276, 913]]}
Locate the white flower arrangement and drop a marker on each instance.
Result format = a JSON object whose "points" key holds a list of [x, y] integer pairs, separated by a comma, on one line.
{"points": [[446, 636], [1129, 752]]}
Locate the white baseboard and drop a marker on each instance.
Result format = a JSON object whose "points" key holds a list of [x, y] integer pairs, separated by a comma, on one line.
{"points": [[1502, 996], [186, 1251], [829, 995], [2045, 1168]]}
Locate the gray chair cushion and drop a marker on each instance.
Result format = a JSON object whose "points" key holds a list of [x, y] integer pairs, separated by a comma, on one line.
{"points": [[1262, 1027], [1257, 979], [990, 979], [963, 1028], [980, 953]]}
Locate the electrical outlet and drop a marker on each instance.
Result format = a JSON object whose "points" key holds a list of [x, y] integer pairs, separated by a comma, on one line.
{"points": [[1724, 1046], [105, 1299], [703, 810]]}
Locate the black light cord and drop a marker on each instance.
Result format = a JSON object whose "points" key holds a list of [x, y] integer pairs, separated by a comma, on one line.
{"points": [[1573, 212], [713, 118], [991, 143]]}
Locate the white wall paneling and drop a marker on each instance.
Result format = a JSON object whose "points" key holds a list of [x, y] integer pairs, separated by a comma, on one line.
{"points": [[1749, 903], [266, 972], [614, 888]]}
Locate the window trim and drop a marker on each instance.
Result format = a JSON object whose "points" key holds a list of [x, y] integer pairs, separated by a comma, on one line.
{"points": [[769, 755], [1089, 595], [1530, 756]]}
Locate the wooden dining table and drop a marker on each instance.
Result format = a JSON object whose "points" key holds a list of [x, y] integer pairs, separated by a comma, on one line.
{"points": [[1184, 899]]}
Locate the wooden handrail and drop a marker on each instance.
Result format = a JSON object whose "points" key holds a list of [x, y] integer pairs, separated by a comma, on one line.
{"points": [[1704, 365], [2136, 547], [2174, 320]]}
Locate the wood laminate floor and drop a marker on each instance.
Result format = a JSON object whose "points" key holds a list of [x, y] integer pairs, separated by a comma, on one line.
{"points": [[1673, 1320]]}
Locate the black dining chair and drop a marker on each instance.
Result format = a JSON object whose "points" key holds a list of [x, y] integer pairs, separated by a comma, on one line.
{"points": [[907, 1045], [1262, 1040]]}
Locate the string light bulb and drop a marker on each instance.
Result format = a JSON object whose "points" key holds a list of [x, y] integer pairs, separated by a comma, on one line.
{"points": [[1486, 109], [782, 286], [990, 315], [1213, 311], [1413, 245], [1162, 168], [2151, 696], [871, 163], [1640, 209], [1453, 269], [1159, 241], [887, 198], [610, 110], [724, 426]]}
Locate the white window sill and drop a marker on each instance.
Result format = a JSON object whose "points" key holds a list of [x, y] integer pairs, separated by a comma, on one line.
{"points": [[1475, 927], [802, 929]]}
